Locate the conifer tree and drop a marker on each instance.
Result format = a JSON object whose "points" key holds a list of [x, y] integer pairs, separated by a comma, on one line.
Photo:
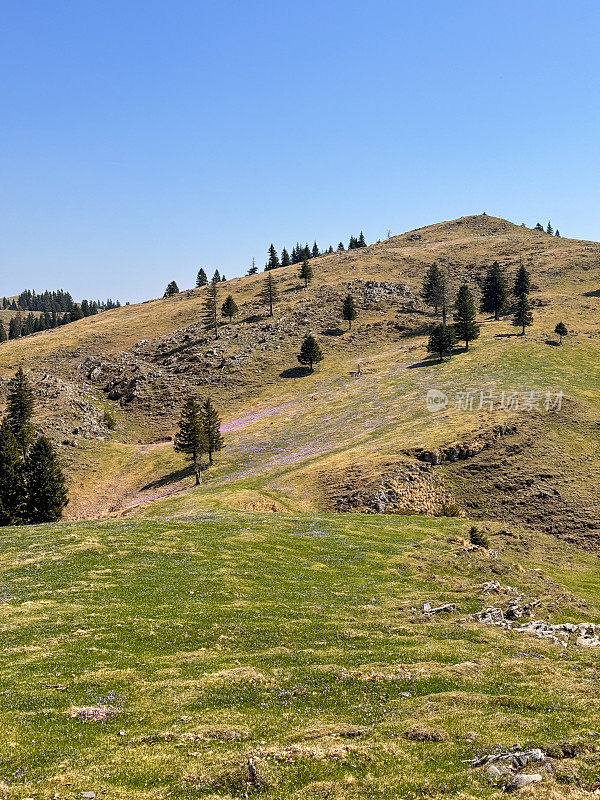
{"points": [[210, 318], [557, 233], [349, 311], [315, 253], [539, 227], [330, 251], [273, 261], [14, 327], [306, 273], [223, 278], [441, 340], [46, 491], [216, 278], [340, 247], [191, 437], [12, 485], [465, 327], [352, 244], [494, 291], [76, 313], [285, 258], [201, 279], [253, 269], [433, 287], [211, 423], [19, 410], [229, 308], [560, 331], [171, 289], [549, 229], [522, 282], [361, 240], [310, 352], [2, 332], [523, 316], [269, 294]]}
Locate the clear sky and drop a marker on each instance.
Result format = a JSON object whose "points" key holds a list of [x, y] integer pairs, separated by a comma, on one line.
{"points": [[143, 139]]}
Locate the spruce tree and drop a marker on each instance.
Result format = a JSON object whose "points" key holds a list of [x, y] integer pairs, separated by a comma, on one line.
{"points": [[310, 352], [306, 273], [441, 340], [349, 311], [352, 244], [253, 269], [560, 331], [361, 240], [223, 278], [315, 250], [330, 251], [12, 482], [191, 437], [340, 247], [14, 327], [19, 410], [273, 261], [523, 316], [211, 423], [210, 318], [285, 258], [539, 227], [216, 278], [466, 329], [2, 332], [494, 291], [549, 229], [522, 282], [171, 289], [433, 290], [201, 279], [269, 294], [46, 491], [229, 308], [557, 233], [76, 313]]}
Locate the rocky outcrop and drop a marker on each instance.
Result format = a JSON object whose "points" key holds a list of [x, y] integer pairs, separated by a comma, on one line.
{"points": [[460, 451]]}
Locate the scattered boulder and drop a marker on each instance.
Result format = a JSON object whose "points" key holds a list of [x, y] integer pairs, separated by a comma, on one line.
{"points": [[521, 781]]}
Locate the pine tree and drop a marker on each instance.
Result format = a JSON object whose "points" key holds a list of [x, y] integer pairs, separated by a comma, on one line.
{"points": [[341, 247], [273, 261], [14, 327], [560, 331], [229, 308], [191, 437], [315, 250], [76, 313], [269, 294], [310, 352], [216, 278], [441, 340], [549, 229], [539, 227], [201, 279], [352, 244], [46, 491], [223, 278], [2, 332], [557, 233], [211, 423], [19, 410], [433, 290], [494, 291], [171, 289], [523, 316], [12, 484], [285, 258], [330, 251], [466, 329], [210, 318], [306, 273], [253, 269], [349, 311], [361, 240], [522, 282]]}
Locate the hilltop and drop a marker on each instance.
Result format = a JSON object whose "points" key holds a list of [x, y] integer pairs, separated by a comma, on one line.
{"points": [[331, 441]]}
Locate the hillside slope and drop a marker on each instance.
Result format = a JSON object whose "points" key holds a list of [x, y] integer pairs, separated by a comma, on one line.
{"points": [[334, 440]]}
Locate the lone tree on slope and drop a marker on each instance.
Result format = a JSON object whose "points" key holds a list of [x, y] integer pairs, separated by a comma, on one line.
{"points": [[20, 410], [522, 282], [349, 311], [306, 273], [523, 316], [466, 328], [560, 331], [441, 340], [433, 287], [494, 291], [549, 228], [210, 319], [229, 308], [191, 438], [269, 294], [171, 289], [211, 423], [46, 492], [201, 279], [310, 352]]}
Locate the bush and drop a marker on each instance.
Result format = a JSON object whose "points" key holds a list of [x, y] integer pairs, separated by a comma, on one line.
{"points": [[109, 419], [478, 537], [449, 510]]}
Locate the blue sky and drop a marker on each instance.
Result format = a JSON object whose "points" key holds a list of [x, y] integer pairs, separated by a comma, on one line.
{"points": [[141, 140]]}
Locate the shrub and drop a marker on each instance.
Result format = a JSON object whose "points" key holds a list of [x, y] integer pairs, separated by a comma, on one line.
{"points": [[109, 419], [478, 537]]}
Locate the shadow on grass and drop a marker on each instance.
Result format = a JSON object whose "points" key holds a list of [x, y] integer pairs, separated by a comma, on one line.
{"points": [[552, 343], [333, 332], [172, 477], [595, 293], [295, 372], [430, 361], [255, 318], [505, 335]]}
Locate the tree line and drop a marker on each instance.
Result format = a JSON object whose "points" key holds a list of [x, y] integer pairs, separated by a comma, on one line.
{"points": [[549, 229], [32, 484]]}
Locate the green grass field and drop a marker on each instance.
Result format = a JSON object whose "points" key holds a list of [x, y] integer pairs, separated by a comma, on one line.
{"points": [[153, 659]]}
